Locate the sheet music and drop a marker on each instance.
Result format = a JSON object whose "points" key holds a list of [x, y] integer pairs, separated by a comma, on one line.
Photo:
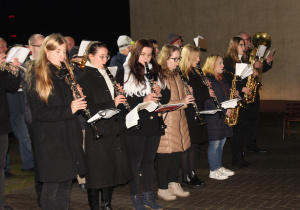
{"points": [[113, 70], [196, 40], [243, 70], [214, 111], [229, 104], [82, 47], [261, 51], [17, 52], [106, 114], [132, 117]]}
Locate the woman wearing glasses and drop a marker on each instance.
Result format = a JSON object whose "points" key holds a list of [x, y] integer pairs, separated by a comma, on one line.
{"points": [[107, 160], [142, 144], [57, 133], [198, 134], [176, 139], [233, 56]]}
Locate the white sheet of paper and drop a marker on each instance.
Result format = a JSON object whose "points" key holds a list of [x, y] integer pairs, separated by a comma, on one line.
{"points": [[239, 68], [214, 111], [113, 70], [261, 51], [197, 39], [247, 72], [106, 113], [82, 47], [132, 117], [230, 103], [17, 52]]}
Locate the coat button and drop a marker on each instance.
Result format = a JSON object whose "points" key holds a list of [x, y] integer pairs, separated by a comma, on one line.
{"points": [[119, 149], [117, 135], [151, 117]]}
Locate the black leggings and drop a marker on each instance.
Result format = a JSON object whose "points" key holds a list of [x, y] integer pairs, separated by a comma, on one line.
{"points": [[189, 158]]}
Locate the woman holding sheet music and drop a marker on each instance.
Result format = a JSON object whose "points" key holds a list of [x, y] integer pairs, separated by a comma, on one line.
{"points": [[177, 138], [107, 157], [198, 134], [57, 132], [218, 131], [234, 55], [143, 143]]}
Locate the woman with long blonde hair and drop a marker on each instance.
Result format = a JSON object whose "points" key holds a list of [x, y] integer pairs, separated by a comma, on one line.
{"points": [[57, 132], [188, 65]]}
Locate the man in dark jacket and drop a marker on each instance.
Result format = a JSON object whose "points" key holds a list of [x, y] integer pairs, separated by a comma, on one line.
{"points": [[8, 83]]}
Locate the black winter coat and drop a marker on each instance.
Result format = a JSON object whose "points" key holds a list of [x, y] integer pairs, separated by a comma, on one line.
{"points": [[201, 94], [57, 133], [216, 127], [8, 83], [107, 158]]}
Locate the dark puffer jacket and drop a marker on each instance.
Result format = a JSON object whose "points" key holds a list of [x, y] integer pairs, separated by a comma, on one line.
{"points": [[216, 127]]}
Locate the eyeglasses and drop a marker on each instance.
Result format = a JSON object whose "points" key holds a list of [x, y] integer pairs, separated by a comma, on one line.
{"points": [[36, 45], [176, 59], [104, 57], [249, 39], [146, 55], [242, 45]]}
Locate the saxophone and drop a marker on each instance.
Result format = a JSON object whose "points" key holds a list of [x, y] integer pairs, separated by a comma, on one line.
{"points": [[254, 84], [233, 119]]}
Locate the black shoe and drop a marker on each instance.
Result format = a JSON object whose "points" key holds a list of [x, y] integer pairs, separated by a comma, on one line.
{"points": [[191, 181], [6, 207], [258, 150], [82, 187], [8, 175], [241, 164], [195, 179], [106, 205]]}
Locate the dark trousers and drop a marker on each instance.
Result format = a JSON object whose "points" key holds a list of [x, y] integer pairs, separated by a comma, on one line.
{"points": [[93, 197], [252, 125], [56, 195], [238, 139], [167, 168], [142, 151], [3, 151]]}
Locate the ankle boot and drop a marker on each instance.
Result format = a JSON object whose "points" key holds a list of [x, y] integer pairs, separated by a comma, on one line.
{"points": [[93, 198], [106, 205], [148, 200], [137, 202], [188, 181], [106, 196], [194, 178]]}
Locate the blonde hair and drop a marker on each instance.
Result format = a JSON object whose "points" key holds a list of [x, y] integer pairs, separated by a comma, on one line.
{"points": [[40, 69], [209, 65], [188, 56], [163, 56]]}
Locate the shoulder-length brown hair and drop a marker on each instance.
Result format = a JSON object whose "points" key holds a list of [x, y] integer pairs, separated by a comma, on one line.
{"points": [[163, 56], [138, 69], [232, 51], [41, 71]]}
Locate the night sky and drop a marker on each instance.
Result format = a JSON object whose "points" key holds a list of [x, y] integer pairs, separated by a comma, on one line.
{"points": [[90, 20]]}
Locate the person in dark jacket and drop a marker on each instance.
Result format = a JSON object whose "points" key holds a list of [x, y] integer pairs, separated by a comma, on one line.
{"points": [[218, 131], [8, 83], [143, 144], [57, 132], [198, 134], [107, 157]]}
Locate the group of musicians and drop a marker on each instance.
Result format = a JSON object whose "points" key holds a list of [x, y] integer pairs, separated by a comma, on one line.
{"points": [[112, 154]]}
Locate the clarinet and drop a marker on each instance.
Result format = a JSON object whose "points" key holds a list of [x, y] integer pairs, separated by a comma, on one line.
{"points": [[117, 92], [204, 79], [162, 124], [95, 131], [200, 120]]}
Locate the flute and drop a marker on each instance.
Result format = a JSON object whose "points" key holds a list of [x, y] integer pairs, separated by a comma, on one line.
{"points": [[162, 124], [117, 92], [95, 131], [198, 117], [204, 79]]}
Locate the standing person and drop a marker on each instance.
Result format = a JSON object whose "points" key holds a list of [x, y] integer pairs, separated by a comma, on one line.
{"points": [[8, 83], [143, 144], [107, 158], [125, 44], [253, 110], [70, 42], [198, 134], [155, 46], [176, 139], [218, 131], [233, 56], [176, 40], [57, 133]]}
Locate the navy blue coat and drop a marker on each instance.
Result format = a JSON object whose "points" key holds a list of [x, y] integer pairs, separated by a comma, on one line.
{"points": [[216, 127]]}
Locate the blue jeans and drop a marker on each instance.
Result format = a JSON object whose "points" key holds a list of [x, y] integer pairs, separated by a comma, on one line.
{"points": [[215, 152]]}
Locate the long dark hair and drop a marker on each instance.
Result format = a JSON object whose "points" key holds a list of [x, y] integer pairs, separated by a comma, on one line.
{"points": [[137, 69]]}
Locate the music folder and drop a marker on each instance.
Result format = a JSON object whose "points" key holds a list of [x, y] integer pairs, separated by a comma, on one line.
{"points": [[168, 107], [106, 113]]}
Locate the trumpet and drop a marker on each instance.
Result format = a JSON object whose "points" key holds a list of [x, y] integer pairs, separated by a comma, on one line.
{"points": [[9, 67]]}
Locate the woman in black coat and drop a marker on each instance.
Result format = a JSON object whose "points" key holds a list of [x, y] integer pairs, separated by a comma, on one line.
{"points": [[107, 158], [143, 144], [198, 134], [218, 131], [57, 133]]}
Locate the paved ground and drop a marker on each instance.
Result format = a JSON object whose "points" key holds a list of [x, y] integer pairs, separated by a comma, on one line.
{"points": [[271, 183]]}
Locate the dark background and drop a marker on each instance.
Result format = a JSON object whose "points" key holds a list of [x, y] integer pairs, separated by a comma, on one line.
{"points": [[94, 20]]}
